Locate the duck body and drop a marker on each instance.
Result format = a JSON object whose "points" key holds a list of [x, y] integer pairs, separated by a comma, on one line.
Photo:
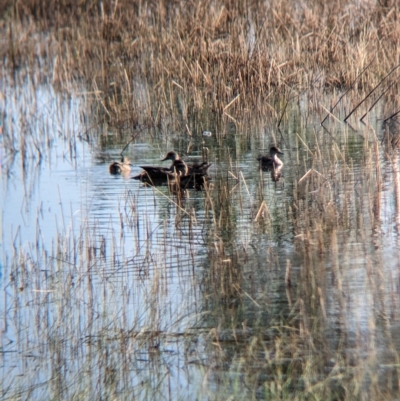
{"points": [[122, 167], [155, 175], [271, 162]]}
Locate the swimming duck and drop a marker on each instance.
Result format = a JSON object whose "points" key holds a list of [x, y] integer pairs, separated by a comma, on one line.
{"points": [[161, 175], [122, 167], [271, 161]]}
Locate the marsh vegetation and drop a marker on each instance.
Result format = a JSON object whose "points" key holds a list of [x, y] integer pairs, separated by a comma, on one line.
{"points": [[252, 288]]}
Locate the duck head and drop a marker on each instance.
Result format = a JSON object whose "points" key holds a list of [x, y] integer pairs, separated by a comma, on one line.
{"points": [[275, 151], [172, 155]]}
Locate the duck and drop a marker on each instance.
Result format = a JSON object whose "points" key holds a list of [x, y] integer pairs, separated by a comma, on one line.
{"points": [[162, 175], [166, 177], [271, 162], [122, 167]]}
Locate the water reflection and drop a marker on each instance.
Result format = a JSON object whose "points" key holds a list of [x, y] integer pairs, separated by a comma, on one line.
{"points": [[106, 280]]}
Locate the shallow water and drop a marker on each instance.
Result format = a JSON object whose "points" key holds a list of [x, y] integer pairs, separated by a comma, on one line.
{"points": [[116, 289]]}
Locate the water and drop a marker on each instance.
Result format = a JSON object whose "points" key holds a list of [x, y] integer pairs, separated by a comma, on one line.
{"points": [[114, 289]]}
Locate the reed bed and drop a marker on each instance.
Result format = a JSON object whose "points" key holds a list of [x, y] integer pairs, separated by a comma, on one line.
{"points": [[148, 63]]}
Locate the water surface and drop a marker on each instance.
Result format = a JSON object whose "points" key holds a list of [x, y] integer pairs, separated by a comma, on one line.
{"points": [[114, 289]]}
